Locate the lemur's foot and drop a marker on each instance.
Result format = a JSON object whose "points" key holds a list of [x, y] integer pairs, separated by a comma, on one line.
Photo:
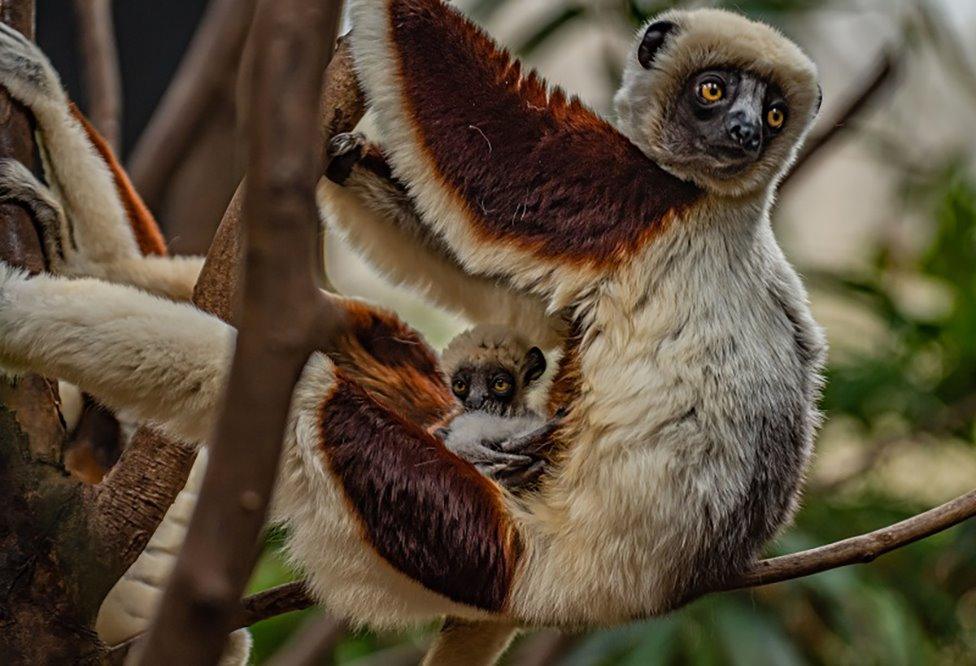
{"points": [[26, 72], [345, 151], [19, 185]]}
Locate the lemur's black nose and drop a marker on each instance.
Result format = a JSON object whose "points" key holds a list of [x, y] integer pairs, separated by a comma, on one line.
{"points": [[744, 130]]}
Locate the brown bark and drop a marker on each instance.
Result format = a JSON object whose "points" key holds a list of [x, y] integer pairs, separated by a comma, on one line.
{"points": [[100, 60], [281, 224], [45, 612]]}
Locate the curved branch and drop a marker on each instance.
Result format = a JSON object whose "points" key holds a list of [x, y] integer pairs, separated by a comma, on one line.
{"points": [[859, 549], [100, 58], [281, 216], [856, 550]]}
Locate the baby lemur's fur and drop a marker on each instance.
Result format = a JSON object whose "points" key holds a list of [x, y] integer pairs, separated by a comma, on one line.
{"points": [[493, 372], [690, 362]]}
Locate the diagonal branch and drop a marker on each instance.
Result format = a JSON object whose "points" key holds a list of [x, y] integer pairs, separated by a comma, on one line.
{"points": [[864, 95], [859, 549], [220, 550], [100, 58], [210, 62], [856, 550]]}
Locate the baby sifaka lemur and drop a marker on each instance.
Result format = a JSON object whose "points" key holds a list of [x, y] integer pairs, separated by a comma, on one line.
{"points": [[495, 375]]}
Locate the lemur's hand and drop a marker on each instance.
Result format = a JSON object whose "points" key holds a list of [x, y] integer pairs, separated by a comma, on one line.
{"points": [[27, 73], [19, 185], [344, 150]]}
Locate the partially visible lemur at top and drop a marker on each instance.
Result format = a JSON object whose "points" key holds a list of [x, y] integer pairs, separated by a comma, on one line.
{"points": [[495, 375], [690, 366]]}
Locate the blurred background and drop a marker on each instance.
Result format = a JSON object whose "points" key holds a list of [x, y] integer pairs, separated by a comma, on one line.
{"points": [[881, 221]]}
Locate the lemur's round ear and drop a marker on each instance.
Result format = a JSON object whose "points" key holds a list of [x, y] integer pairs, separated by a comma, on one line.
{"points": [[819, 99], [653, 40], [535, 365]]}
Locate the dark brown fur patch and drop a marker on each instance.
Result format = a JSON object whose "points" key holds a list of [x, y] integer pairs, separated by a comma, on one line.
{"points": [[144, 226], [531, 167], [428, 513]]}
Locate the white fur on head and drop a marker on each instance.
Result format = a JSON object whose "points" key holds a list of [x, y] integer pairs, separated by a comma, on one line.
{"points": [[707, 39]]}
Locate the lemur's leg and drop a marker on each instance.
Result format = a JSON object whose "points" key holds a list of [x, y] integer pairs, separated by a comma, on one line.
{"points": [[172, 277], [377, 216], [95, 232], [469, 643]]}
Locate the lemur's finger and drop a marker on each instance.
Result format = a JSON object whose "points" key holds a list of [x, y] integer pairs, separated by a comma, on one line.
{"points": [[514, 479], [18, 184], [25, 71], [346, 150]]}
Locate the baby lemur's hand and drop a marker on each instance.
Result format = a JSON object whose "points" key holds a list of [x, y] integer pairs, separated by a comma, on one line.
{"points": [[514, 461]]}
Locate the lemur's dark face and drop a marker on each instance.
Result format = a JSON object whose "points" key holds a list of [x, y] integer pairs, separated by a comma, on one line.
{"points": [[495, 388], [725, 119]]}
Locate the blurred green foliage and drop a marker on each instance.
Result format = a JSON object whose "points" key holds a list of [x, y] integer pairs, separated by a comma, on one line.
{"points": [[916, 605]]}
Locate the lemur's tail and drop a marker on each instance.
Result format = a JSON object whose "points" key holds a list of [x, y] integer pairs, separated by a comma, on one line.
{"points": [[144, 226]]}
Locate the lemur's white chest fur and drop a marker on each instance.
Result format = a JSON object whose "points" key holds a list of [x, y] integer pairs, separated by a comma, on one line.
{"points": [[695, 386]]}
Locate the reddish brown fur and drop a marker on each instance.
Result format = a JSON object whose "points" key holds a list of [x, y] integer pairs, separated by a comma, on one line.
{"points": [[144, 226], [531, 168], [394, 364], [428, 513]]}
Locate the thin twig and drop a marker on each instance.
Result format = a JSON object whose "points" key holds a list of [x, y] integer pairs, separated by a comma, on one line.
{"points": [[100, 58], [316, 639], [221, 547]]}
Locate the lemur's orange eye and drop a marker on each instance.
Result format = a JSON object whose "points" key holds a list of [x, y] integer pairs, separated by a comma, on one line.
{"points": [[460, 387], [711, 91], [775, 117], [501, 385]]}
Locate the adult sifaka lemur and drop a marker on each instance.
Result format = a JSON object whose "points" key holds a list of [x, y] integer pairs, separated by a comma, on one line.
{"points": [[690, 365]]}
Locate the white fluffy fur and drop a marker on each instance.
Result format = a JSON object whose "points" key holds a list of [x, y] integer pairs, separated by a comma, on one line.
{"points": [[148, 358], [404, 259], [130, 605], [706, 321], [705, 39]]}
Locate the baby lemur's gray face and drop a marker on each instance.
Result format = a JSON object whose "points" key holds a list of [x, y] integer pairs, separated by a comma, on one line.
{"points": [[495, 388], [724, 119]]}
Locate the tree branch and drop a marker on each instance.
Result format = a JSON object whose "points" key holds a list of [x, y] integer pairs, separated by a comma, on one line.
{"points": [[865, 94], [100, 58], [859, 549], [210, 62], [856, 550], [220, 550]]}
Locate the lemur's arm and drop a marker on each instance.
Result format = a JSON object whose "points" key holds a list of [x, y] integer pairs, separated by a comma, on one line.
{"points": [[376, 215], [148, 358], [104, 229], [519, 183]]}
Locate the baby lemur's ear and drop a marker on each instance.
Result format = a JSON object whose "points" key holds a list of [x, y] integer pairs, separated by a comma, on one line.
{"points": [[654, 38], [534, 365]]}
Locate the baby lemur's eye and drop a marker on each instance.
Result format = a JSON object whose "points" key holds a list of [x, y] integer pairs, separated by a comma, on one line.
{"points": [[501, 385], [460, 387], [711, 91], [776, 116]]}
